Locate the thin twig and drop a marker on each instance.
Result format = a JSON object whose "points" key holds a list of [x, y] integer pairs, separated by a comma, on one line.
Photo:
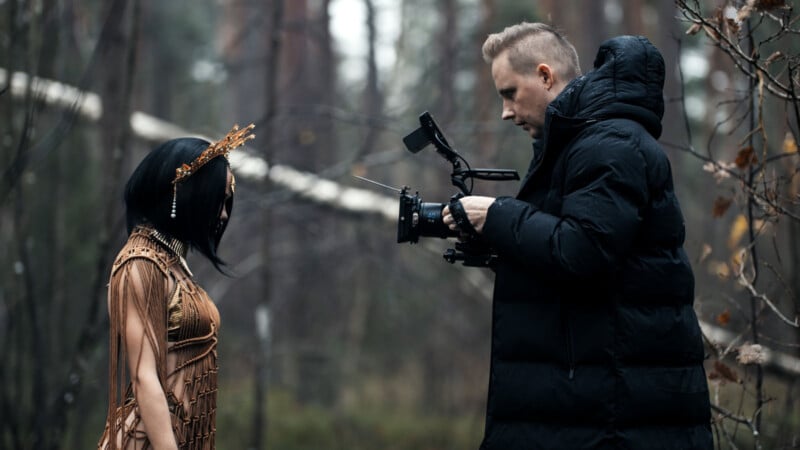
{"points": [[738, 419], [736, 54], [744, 281]]}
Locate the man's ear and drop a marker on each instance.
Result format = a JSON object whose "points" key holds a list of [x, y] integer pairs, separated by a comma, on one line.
{"points": [[546, 75]]}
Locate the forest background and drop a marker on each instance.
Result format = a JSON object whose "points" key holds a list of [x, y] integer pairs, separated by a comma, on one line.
{"points": [[334, 336]]}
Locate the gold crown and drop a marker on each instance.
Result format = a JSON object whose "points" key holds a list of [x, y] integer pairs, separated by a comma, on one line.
{"points": [[235, 138]]}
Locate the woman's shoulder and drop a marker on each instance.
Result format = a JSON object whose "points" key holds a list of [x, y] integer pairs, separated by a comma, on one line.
{"points": [[141, 249]]}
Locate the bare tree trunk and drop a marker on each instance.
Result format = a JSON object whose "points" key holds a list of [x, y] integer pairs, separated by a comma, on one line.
{"points": [[40, 407], [590, 31], [674, 130], [486, 102], [161, 65], [116, 60], [448, 57], [10, 351], [307, 141], [41, 298], [550, 11], [634, 17], [18, 56], [358, 303], [752, 211], [354, 333], [263, 357], [30, 351], [585, 30], [373, 99]]}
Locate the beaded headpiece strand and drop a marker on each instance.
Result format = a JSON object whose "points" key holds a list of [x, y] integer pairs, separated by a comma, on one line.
{"points": [[235, 138]]}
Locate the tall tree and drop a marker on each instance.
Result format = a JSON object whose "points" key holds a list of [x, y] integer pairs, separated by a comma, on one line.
{"points": [[756, 39], [48, 373], [485, 97], [116, 65], [447, 56], [265, 335]]}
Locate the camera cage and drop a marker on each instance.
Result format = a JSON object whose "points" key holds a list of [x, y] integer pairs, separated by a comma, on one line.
{"points": [[429, 133], [472, 251]]}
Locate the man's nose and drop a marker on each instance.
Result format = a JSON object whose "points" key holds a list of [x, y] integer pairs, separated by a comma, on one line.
{"points": [[224, 214], [507, 114]]}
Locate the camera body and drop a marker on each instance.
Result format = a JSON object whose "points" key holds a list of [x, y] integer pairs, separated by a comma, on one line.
{"points": [[424, 219]]}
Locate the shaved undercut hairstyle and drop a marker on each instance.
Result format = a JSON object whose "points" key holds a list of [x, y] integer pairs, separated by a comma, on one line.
{"points": [[531, 44]]}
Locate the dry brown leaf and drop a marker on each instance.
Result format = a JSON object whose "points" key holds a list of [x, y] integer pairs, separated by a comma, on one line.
{"points": [[720, 269], [745, 12], [789, 143], [766, 5], [720, 21], [694, 29], [705, 252], [746, 157], [721, 205], [738, 229], [730, 17], [711, 33], [726, 372], [724, 318]]}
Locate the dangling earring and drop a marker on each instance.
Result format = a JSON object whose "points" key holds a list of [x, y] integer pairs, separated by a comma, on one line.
{"points": [[174, 199]]}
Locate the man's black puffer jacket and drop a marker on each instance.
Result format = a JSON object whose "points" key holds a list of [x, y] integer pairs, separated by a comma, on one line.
{"points": [[594, 340]]}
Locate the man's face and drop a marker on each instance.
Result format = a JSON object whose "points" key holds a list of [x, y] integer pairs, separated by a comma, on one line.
{"points": [[525, 95]]}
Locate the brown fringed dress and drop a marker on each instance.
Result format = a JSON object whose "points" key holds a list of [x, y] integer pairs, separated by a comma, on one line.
{"points": [[151, 278]]}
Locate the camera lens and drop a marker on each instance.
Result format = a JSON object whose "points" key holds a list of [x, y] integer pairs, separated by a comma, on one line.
{"points": [[430, 221]]}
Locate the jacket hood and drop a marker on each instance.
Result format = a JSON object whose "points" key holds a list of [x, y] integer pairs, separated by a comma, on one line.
{"points": [[627, 82]]}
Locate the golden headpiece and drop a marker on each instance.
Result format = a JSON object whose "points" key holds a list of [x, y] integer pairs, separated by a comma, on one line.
{"points": [[235, 138]]}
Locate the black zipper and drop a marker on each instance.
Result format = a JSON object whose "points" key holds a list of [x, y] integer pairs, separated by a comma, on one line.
{"points": [[570, 345]]}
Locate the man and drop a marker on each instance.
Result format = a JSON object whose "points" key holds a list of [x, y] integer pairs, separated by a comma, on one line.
{"points": [[594, 340]]}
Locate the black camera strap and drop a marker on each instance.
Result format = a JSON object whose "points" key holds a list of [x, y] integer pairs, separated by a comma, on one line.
{"points": [[460, 217]]}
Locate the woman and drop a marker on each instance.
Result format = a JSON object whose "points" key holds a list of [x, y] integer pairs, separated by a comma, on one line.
{"points": [[163, 325]]}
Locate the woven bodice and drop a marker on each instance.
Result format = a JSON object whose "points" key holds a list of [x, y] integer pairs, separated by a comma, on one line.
{"points": [[184, 322]]}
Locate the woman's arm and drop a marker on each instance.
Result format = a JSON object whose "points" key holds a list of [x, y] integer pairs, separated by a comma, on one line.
{"points": [[142, 348]]}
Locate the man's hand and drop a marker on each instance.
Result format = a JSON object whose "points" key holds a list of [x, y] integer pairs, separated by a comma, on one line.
{"points": [[476, 208]]}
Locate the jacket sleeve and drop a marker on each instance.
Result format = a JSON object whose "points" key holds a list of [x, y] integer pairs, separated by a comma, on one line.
{"points": [[604, 189]]}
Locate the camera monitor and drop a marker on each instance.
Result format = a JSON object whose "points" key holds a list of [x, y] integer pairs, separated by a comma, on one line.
{"points": [[429, 133]]}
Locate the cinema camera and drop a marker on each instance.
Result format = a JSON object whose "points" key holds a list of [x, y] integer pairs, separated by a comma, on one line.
{"points": [[422, 219]]}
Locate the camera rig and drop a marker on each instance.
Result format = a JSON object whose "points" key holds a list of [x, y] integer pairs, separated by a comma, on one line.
{"points": [[417, 218]]}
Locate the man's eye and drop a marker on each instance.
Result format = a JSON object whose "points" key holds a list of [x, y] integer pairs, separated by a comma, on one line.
{"points": [[508, 94]]}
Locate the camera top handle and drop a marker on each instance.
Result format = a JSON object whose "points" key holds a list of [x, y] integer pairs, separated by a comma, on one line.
{"points": [[429, 133]]}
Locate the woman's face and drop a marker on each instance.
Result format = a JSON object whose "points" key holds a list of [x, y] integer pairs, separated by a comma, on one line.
{"points": [[227, 205]]}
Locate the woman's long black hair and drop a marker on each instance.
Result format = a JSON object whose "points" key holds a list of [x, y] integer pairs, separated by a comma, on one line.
{"points": [[201, 197]]}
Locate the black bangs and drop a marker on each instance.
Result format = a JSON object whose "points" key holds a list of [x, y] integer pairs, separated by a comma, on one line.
{"points": [[200, 199]]}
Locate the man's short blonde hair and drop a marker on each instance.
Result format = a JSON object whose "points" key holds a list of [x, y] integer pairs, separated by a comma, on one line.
{"points": [[531, 44]]}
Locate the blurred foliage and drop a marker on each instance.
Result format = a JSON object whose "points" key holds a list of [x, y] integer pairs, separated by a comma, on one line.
{"points": [[294, 426]]}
